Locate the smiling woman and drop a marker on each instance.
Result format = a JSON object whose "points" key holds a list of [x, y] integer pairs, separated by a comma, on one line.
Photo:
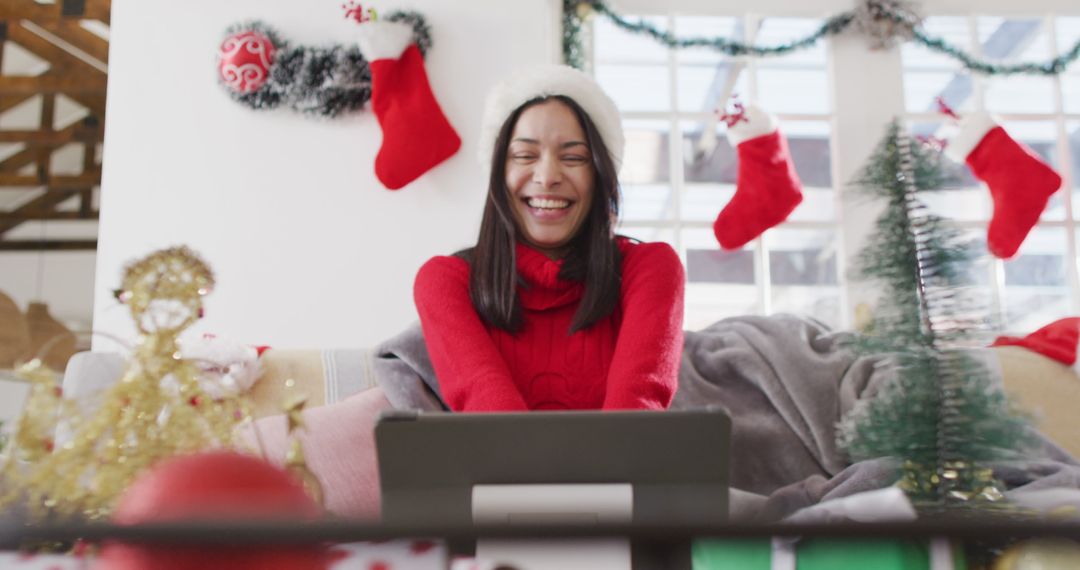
{"points": [[550, 309]]}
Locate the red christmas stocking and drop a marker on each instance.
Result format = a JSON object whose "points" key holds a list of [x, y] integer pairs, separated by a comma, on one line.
{"points": [[416, 134], [1020, 182], [768, 188]]}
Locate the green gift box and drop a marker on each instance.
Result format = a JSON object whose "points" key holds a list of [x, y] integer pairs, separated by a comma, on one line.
{"points": [[817, 554]]}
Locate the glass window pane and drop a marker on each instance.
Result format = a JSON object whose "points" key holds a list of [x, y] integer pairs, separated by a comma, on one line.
{"points": [[718, 165], [707, 27], [613, 44], [780, 31], [703, 202], [710, 177], [1072, 128], [1028, 95], [812, 154], [1008, 40], [636, 87], [802, 257], [701, 85], [715, 265], [775, 93], [1014, 39], [803, 272], [646, 158], [954, 30], [922, 88], [1041, 137], [1036, 286], [722, 284], [1068, 35], [929, 75], [1070, 88], [647, 202]]}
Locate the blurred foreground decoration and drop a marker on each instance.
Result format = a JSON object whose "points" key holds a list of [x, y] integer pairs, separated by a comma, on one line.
{"points": [[941, 414], [157, 410]]}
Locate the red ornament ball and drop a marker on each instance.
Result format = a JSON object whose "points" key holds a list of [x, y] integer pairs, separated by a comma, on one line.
{"points": [[244, 61], [220, 485]]}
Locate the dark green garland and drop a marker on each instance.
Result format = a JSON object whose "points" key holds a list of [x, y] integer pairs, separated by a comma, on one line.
{"points": [[573, 52]]}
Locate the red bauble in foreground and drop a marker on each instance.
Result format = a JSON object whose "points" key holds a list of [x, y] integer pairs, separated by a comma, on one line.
{"points": [[244, 61], [217, 486]]}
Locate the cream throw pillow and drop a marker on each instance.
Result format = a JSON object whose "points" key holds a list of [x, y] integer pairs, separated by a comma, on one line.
{"points": [[1046, 388]]}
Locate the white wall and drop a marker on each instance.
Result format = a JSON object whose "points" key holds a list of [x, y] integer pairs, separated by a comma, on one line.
{"points": [[308, 248]]}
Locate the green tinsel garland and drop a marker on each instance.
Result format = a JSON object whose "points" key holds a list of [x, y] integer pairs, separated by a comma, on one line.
{"points": [[573, 52]]}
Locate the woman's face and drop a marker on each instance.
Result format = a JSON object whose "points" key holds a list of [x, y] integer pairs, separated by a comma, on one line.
{"points": [[550, 176]]}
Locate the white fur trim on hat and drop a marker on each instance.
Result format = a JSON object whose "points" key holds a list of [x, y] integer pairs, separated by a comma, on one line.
{"points": [[383, 40], [758, 123], [973, 127], [546, 80]]}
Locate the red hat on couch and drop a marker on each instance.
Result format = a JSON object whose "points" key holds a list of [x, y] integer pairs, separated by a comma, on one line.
{"points": [[1057, 340]]}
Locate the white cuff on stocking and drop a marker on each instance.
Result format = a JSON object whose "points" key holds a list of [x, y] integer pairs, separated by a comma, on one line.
{"points": [[973, 127], [758, 123], [384, 40]]}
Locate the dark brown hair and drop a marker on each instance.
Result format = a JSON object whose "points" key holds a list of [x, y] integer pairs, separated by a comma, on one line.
{"points": [[593, 257]]}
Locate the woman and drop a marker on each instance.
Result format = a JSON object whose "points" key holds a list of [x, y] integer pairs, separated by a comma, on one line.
{"points": [[550, 310]]}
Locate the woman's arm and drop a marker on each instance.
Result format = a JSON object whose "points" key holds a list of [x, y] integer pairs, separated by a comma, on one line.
{"points": [[645, 367], [473, 377]]}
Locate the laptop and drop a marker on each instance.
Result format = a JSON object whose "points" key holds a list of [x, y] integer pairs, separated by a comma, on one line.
{"points": [[645, 467]]}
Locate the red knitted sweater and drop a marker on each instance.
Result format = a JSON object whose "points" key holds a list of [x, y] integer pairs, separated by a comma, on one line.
{"points": [[628, 360]]}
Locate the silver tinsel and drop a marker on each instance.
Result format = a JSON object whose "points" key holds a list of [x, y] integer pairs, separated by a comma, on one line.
{"points": [[887, 23], [319, 81]]}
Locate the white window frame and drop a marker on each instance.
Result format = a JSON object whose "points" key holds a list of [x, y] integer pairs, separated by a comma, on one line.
{"points": [[866, 93]]}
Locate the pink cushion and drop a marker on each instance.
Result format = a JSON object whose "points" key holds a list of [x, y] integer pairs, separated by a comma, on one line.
{"points": [[339, 443]]}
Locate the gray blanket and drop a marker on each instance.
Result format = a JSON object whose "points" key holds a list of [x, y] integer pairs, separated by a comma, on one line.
{"points": [[785, 382]]}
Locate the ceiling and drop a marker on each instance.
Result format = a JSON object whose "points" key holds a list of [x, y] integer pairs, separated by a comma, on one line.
{"points": [[53, 69]]}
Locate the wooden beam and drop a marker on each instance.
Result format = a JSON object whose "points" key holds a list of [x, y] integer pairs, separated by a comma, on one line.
{"points": [[11, 101], [61, 61], [44, 154], [64, 245], [29, 154], [17, 9], [23, 85], [86, 205], [73, 133], [97, 10], [70, 31], [61, 10], [52, 215], [59, 184], [46, 202], [18, 160], [94, 102]]}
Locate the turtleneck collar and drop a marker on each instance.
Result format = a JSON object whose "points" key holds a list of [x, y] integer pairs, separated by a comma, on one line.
{"points": [[544, 289]]}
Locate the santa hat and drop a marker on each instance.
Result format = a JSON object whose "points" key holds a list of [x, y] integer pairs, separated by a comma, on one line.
{"points": [[1057, 340], [544, 81]]}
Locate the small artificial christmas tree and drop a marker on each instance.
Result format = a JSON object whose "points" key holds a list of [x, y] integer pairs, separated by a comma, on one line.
{"points": [[940, 414]]}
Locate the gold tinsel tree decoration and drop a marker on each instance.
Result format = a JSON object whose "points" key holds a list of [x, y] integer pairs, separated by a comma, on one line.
{"points": [[158, 409]]}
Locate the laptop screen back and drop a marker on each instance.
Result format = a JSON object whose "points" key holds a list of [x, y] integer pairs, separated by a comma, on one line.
{"points": [[675, 462]]}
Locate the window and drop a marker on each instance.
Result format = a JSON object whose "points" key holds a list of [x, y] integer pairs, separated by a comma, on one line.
{"points": [[1038, 285], [673, 189]]}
